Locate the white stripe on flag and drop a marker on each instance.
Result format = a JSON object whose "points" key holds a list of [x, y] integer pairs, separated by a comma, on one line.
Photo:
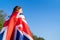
{"points": [[4, 35], [27, 36]]}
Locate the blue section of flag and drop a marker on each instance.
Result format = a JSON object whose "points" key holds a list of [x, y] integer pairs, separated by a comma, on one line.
{"points": [[20, 37], [1, 36], [25, 38]]}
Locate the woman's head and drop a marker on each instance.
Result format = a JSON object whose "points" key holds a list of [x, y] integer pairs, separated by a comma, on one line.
{"points": [[17, 8]]}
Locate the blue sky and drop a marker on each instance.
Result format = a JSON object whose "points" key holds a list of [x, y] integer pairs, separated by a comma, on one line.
{"points": [[43, 16]]}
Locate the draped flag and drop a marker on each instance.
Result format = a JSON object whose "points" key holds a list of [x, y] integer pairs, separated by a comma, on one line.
{"points": [[15, 28]]}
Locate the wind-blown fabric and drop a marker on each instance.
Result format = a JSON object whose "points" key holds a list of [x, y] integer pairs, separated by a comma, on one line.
{"points": [[16, 28]]}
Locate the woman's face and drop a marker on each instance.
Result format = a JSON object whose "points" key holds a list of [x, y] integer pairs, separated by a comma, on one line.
{"points": [[20, 11]]}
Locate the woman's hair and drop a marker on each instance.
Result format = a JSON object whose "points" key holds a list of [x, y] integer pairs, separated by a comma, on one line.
{"points": [[17, 8]]}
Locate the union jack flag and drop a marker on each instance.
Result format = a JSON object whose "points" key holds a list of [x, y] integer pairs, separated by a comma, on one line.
{"points": [[16, 28]]}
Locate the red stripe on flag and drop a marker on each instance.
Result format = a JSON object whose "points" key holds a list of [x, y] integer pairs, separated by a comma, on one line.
{"points": [[11, 25]]}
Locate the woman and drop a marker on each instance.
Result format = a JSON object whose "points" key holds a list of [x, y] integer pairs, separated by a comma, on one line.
{"points": [[16, 27], [12, 23]]}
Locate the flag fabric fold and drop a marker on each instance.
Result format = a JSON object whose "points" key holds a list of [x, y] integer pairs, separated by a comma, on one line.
{"points": [[16, 28]]}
